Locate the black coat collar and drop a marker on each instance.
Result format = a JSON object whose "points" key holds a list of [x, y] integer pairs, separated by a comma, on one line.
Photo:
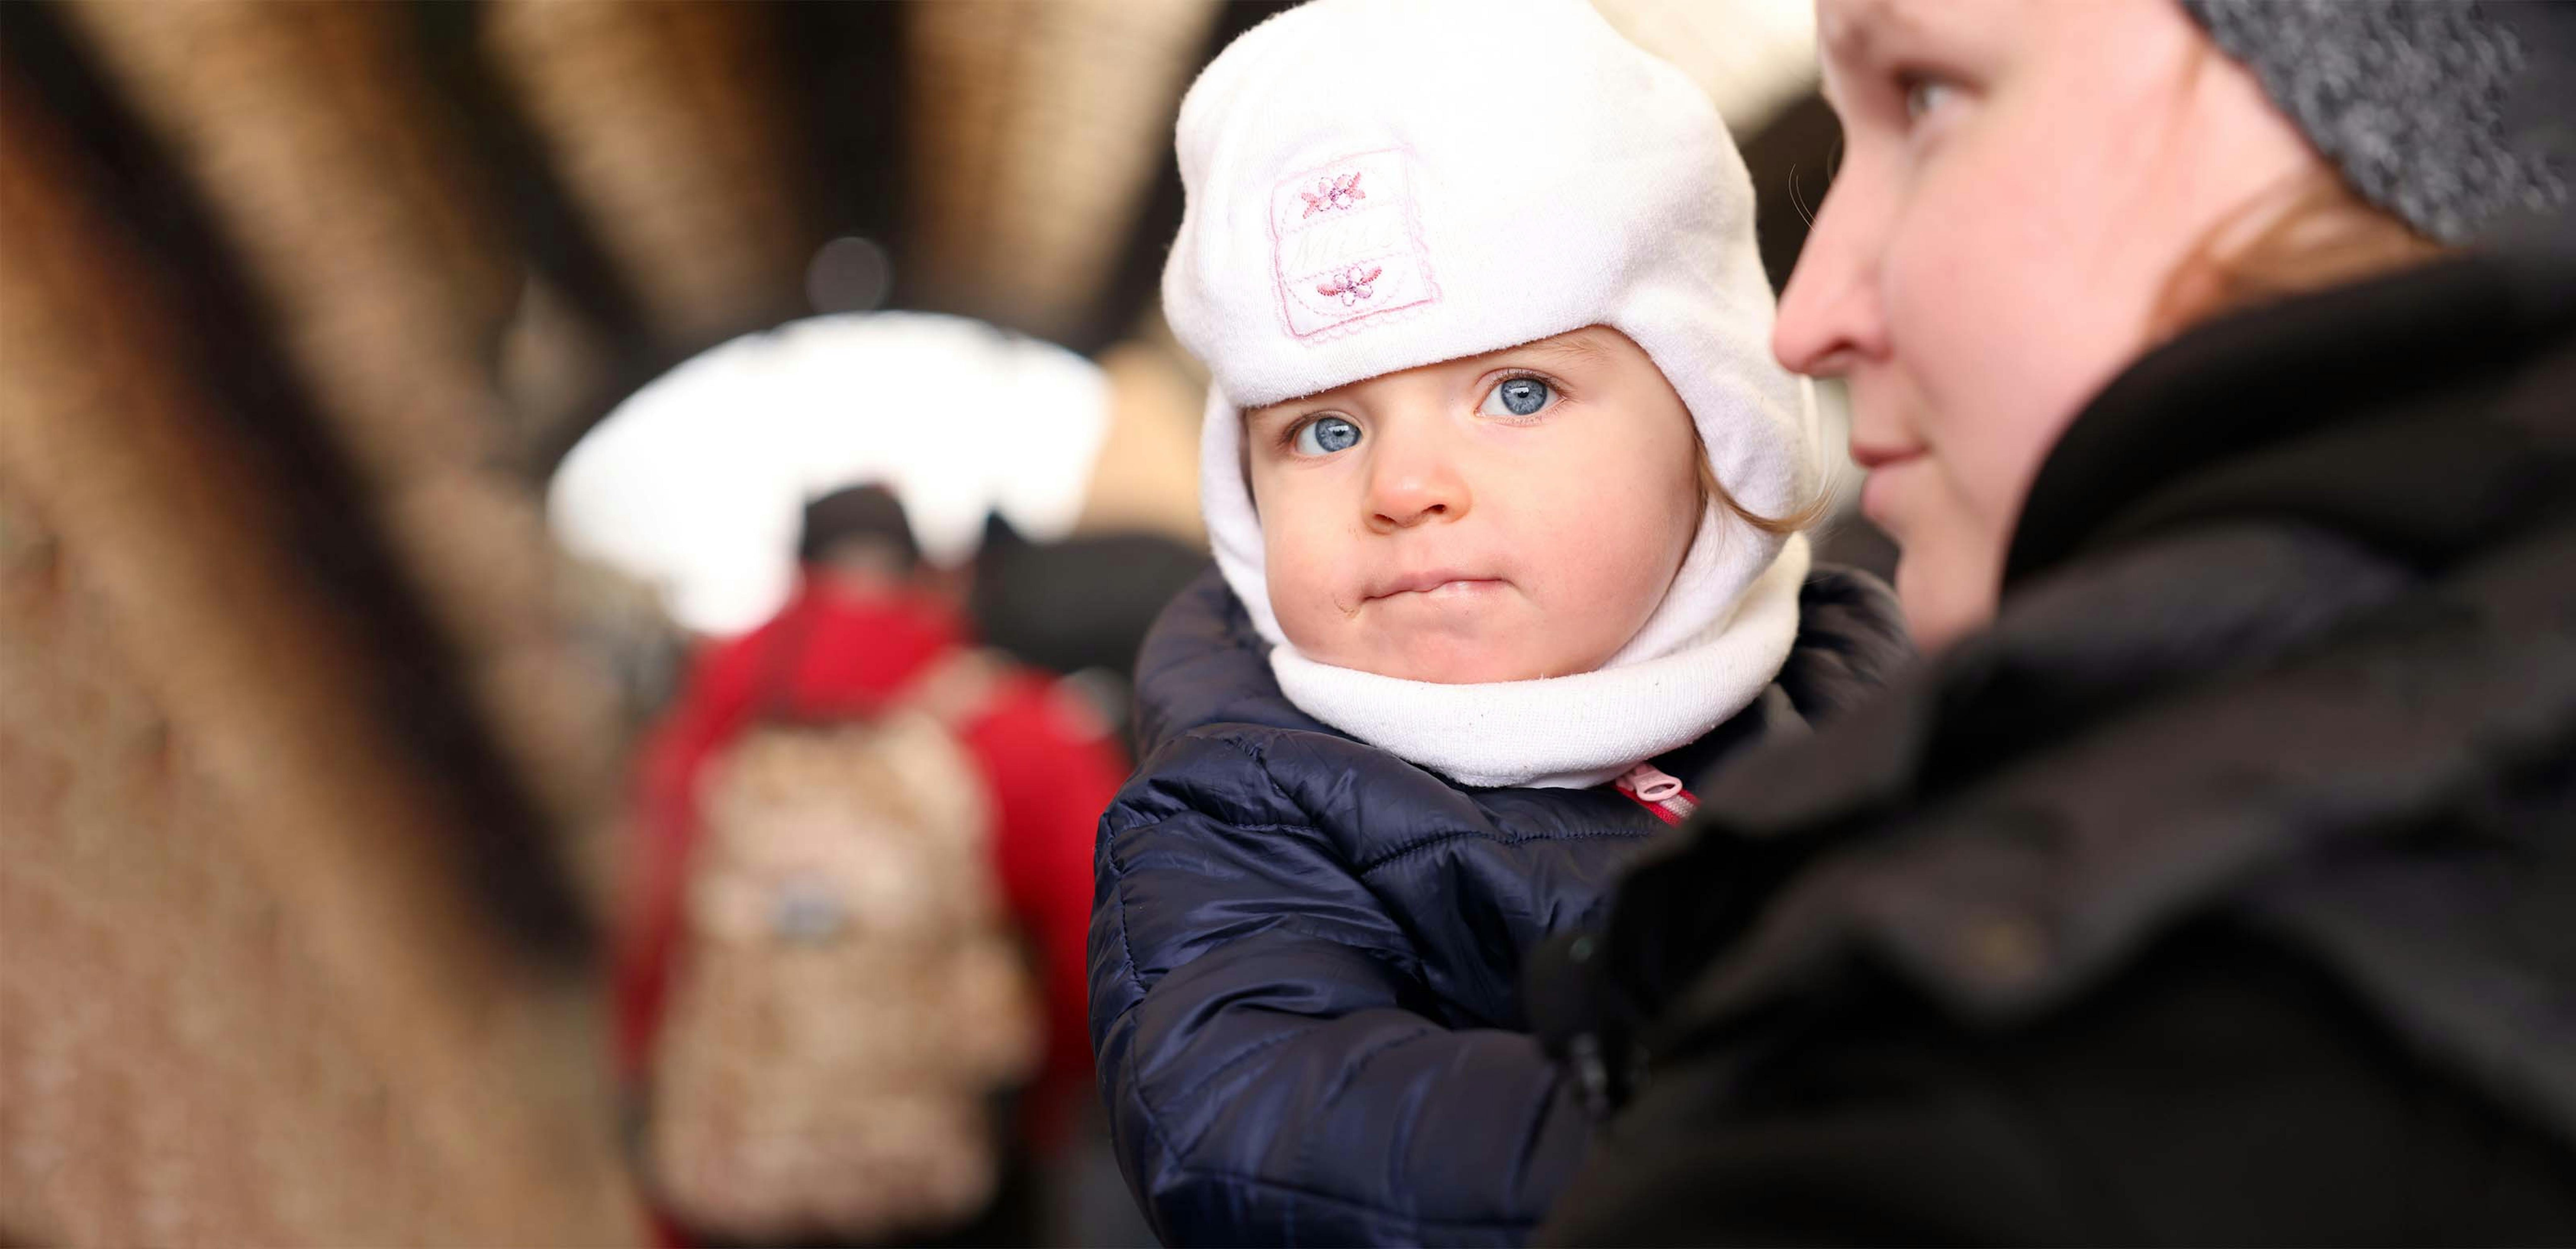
{"points": [[2315, 408]]}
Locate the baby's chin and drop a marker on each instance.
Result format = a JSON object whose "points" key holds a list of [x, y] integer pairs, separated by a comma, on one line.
{"points": [[1444, 660]]}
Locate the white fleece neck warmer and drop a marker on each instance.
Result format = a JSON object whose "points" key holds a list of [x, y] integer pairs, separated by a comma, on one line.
{"points": [[1375, 185]]}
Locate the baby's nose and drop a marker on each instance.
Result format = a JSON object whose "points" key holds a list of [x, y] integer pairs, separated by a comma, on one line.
{"points": [[1406, 491]]}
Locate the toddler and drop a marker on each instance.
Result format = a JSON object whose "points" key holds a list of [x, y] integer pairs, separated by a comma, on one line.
{"points": [[1501, 482]]}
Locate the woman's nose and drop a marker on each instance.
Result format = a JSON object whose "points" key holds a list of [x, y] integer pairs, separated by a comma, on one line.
{"points": [[1830, 314], [1414, 478]]}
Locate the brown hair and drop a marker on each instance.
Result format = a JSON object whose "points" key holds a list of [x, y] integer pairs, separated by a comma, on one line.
{"points": [[1713, 491], [2322, 234]]}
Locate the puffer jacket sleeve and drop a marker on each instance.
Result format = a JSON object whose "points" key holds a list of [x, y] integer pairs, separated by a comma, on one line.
{"points": [[1275, 1071]]}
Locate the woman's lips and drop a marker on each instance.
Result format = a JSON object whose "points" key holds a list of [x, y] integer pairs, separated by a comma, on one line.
{"points": [[1874, 456]]}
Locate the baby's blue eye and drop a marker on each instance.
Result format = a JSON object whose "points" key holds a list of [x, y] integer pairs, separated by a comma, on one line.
{"points": [[1519, 396], [1325, 435]]}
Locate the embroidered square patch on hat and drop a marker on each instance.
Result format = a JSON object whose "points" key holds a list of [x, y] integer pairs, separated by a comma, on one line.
{"points": [[1349, 243]]}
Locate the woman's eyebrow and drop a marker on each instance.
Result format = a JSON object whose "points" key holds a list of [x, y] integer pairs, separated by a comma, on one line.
{"points": [[1856, 31]]}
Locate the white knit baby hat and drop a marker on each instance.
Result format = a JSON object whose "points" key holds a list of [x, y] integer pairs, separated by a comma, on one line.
{"points": [[1375, 185]]}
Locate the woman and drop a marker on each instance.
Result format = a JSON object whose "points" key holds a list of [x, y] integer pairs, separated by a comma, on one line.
{"points": [[2215, 365]]}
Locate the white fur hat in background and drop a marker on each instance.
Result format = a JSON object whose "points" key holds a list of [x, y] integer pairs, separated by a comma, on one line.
{"points": [[1374, 185]]}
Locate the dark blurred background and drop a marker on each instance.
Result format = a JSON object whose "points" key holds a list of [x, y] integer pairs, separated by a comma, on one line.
{"points": [[316, 706]]}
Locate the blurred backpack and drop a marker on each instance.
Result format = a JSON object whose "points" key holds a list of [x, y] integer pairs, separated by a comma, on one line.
{"points": [[849, 1003]]}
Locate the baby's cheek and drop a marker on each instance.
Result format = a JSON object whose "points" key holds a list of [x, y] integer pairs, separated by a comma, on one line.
{"points": [[1632, 556], [1299, 593]]}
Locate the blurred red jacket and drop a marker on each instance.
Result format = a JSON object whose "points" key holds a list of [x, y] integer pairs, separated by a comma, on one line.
{"points": [[1049, 763]]}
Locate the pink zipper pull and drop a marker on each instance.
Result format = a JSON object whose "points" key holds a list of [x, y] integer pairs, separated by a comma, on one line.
{"points": [[1650, 783], [1658, 791]]}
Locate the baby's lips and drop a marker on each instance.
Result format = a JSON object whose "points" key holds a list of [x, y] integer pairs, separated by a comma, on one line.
{"points": [[1426, 581]]}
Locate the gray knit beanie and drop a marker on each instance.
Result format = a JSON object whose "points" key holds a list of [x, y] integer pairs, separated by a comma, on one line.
{"points": [[2454, 116]]}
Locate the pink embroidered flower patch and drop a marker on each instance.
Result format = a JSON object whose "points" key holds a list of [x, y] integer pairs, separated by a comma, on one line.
{"points": [[1349, 239], [1332, 193], [1350, 285]]}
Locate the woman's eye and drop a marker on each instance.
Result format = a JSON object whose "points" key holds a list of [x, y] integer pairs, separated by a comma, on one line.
{"points": [[1519, 396], [1325, 435], [1923, 94]]}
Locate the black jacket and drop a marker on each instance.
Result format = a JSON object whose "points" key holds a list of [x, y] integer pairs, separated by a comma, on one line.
{"points": [[2225, 890], [1305, 952]]}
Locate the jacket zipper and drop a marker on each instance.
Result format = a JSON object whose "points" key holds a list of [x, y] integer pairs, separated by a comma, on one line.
{"points": [[1658, 791]]}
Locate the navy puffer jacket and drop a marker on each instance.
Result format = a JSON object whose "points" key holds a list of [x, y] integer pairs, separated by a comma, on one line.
{"points": [[1304, 950]]}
